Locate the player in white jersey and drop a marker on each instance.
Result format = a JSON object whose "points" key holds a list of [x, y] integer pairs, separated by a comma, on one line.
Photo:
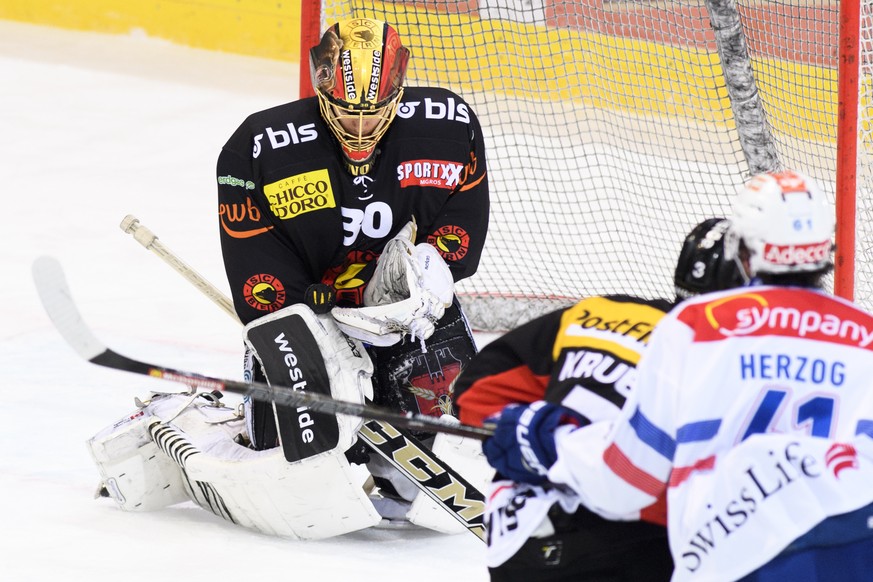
{"points": [[583, 357], [753, 412]]}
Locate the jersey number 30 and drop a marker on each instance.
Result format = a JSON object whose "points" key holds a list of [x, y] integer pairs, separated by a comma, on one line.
{"points": [[374, 221]]}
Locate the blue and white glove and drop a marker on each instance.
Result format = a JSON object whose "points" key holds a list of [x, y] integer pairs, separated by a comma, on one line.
{"points": [[523, 445]]}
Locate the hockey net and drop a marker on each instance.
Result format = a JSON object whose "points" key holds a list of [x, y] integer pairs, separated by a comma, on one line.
{"points": [[612, 127]]}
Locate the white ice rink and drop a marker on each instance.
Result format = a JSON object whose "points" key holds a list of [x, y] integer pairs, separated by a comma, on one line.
{"points": [[94, 128]]}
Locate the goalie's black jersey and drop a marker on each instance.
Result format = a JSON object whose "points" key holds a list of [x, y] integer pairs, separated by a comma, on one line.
{"points": [[593, 346], [291, 214]]}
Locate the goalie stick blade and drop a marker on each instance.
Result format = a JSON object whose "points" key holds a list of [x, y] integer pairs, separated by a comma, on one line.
{"points": [[434, 477]]}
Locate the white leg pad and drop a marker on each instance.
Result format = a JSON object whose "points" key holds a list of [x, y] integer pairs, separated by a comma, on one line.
{"points": [[191, 455], [312, 499], [134, 471], [465, 456]]}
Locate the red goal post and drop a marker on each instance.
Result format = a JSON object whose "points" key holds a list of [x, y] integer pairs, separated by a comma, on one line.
{"points": [[612, 127], [848, 134]]}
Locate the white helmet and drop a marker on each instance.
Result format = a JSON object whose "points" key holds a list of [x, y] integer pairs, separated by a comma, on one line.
{"points": [[785, 221]]}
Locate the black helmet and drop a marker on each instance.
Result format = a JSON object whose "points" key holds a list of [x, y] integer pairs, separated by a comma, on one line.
{"points": [[702, 266]]}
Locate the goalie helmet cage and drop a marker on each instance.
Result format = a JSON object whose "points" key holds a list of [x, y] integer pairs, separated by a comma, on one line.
{"points": [[612, 127]]}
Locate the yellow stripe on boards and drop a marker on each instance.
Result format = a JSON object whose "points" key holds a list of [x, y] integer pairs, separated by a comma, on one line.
{"points": [[261, 28], [500, 56]]}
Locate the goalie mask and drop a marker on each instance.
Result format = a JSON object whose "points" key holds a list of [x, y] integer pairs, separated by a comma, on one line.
{"points": [[702, 266], [357, 71], [785, 223]]}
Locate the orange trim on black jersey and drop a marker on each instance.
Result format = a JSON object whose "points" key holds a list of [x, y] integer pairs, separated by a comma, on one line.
{"points": [[466, 187]]}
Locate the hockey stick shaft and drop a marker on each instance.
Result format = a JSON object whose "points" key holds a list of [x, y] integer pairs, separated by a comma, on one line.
{"points": [[150, 241], [62, 310], [440, 482], [141, 234]]}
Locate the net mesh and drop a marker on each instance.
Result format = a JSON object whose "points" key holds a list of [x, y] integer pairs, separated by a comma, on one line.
{"points": [[610, 133]]}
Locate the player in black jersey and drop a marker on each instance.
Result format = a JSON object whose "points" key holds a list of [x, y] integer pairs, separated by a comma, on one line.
{"points": [[345, 220], [302, 200], [313, 194], [583, 357]]}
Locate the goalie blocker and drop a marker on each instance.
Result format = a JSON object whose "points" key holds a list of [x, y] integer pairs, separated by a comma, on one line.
{"points": [[412, 325], [303, 352], [286, 344]]}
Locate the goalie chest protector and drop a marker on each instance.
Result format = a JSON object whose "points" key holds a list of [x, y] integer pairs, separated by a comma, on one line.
{"points": [[292, 360]]}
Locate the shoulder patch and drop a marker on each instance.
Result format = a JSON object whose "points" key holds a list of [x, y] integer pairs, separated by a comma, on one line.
{"points": [[451, 241], [264, 292]]}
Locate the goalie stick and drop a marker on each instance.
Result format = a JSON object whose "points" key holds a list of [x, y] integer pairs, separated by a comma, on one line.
{"points": [[401, 441], [141, 234], [434, 477]]}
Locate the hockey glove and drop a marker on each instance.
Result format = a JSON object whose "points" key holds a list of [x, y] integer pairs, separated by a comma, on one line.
{"points": [[408, 294], [523, 445], [320, 298]]}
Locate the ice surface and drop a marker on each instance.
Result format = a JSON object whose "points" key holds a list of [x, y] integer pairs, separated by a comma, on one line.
{"points": [[93, 128]]}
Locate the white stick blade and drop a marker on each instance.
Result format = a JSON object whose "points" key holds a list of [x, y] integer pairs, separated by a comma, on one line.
{"points": [[51, 284]]}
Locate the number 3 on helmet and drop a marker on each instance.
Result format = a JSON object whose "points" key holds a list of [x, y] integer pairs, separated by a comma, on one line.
{"points": [[702, 266], [357, 71]]}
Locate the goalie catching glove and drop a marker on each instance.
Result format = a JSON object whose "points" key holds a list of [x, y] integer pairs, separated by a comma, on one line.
{"points": [[408, 294]]}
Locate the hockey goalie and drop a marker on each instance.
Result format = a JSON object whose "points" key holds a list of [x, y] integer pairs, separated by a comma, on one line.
{"points": [[340, 293], [319, 481]]}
